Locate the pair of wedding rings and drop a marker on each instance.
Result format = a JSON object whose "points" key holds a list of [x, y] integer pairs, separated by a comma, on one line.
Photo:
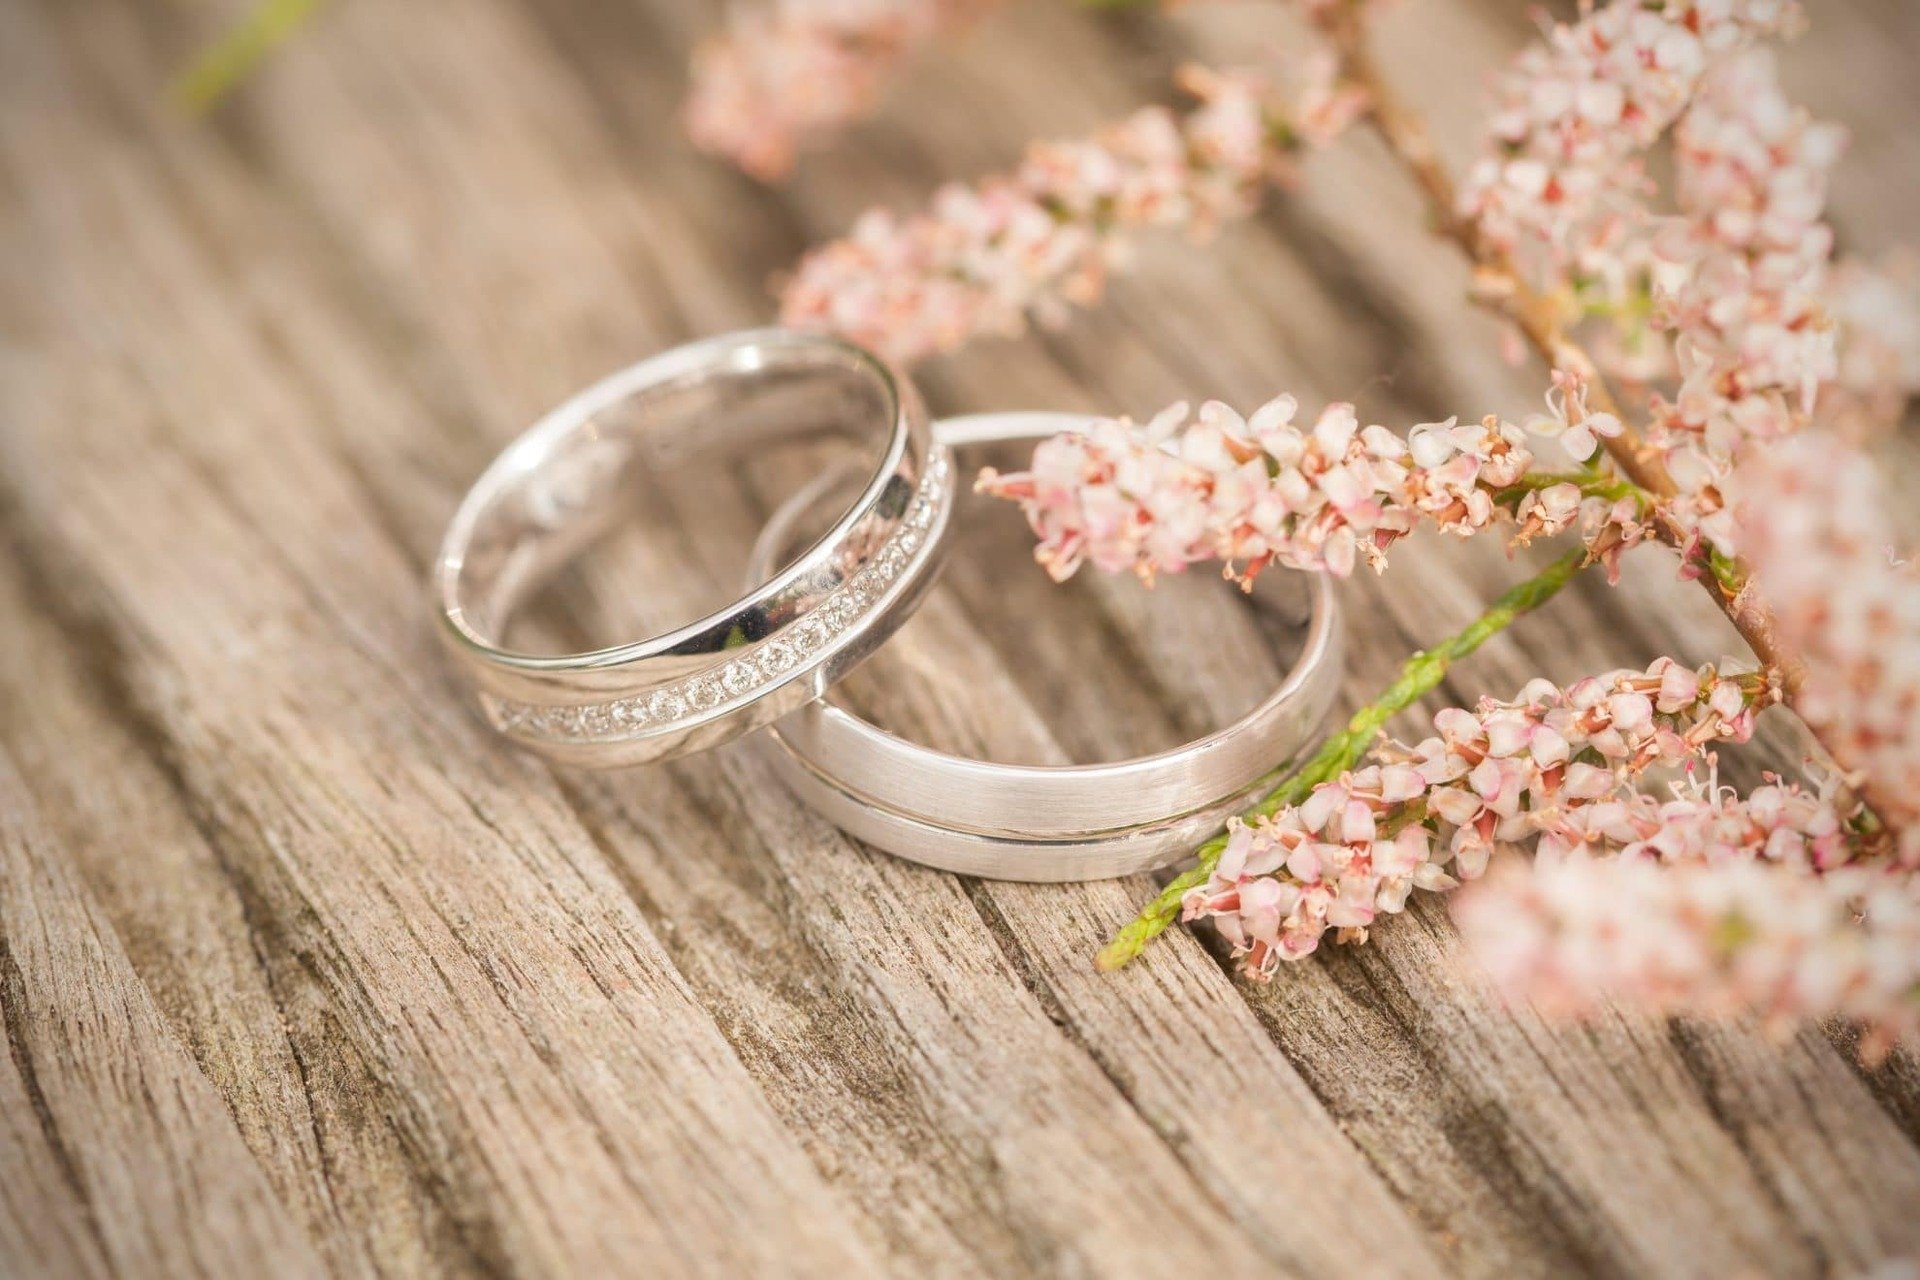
{"points": [[764, 660]]}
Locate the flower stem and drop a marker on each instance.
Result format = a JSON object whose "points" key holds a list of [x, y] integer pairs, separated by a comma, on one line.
{"points": [[1339, 753], [1593, 482], [238, 51]]}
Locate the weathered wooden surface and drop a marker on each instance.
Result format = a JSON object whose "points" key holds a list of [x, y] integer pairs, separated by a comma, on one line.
{"points": [[301, 973]]}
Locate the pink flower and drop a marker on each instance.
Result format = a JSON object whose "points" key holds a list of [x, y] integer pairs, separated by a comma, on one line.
{"points": [[1876, 307], [1561, 186], [1553, 767], [1327, 105], [1705, 823], [1254, 491], [789, 72], [1569, 420], [1735, 284], [982, 260], [1719, 936], [1751, 339], [1813, 523]]}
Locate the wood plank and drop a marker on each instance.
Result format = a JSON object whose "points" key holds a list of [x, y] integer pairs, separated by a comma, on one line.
{"points": [[43, 1217], [253, 1018], [134, 1139]]}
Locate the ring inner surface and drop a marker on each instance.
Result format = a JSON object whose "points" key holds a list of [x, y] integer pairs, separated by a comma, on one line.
{"points": [[636, 519]]}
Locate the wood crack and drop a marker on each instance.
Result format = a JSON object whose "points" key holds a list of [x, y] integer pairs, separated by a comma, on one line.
{"points": [[13, 1015], [1693, 1055]]}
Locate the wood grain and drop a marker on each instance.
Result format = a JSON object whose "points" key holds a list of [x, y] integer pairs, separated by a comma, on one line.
{"points": [[303, 973]]}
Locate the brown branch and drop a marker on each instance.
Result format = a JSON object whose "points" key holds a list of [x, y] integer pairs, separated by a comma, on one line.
{"points": [[1541, 322]]}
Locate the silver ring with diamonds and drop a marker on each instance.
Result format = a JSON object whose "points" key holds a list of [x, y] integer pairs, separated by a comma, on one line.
{"points": [[568, 481], [1021, 822]]}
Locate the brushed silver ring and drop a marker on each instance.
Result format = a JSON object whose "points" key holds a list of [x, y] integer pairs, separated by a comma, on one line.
{"points": [[1046, 823], [567, 481]]}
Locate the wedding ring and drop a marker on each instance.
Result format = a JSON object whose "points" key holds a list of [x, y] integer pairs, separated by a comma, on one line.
{"points": [[1020, 822], [806, 623]]}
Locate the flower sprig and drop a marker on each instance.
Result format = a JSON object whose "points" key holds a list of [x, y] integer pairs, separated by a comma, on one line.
{"points": [[1718, 932], [1751, 338], [1814, 518], [1418, 676], [987, 258], [787, 74], [1875, 304], [1553, 768], [1259, 490], [1560, 185]]}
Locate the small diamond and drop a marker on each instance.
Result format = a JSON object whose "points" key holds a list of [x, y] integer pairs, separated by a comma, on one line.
{"points": [[777, 656], [810, 635], [667, 704], [835, 613], [704, 693], [737, 678]]}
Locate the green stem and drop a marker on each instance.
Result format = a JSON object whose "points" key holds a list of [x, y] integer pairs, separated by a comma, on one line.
{"points": [[1726, 571], [1593, 482], [238, 50], [1339, 753]]}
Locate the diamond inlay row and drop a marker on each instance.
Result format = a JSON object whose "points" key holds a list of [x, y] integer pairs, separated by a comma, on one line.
{"points": [[737, 678]]}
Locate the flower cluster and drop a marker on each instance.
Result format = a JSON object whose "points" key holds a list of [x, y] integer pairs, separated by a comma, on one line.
{"points": [[1813, 524], [792, 71], [1876, 308], [1553, 767], [1560, 188], [983, 259], [1724, 934], [1751, 339], [1259, 490]]}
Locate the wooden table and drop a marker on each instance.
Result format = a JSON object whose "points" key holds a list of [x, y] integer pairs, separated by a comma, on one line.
{"points": [[302, 972]]}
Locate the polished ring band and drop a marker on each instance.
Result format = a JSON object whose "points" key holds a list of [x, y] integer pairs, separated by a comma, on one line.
{"points": [[1020, 822], [568, 480]]}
